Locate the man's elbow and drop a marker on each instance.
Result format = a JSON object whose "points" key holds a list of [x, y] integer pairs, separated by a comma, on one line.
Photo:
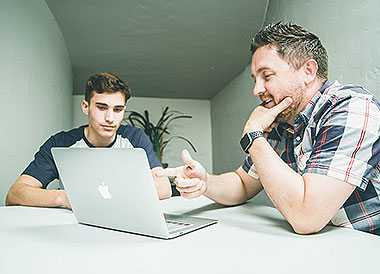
{"points": [[17, 193], [10, 199], [306, 226]]}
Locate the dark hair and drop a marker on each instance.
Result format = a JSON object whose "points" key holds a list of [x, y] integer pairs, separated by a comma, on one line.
{"points": [[105, 82], [294, 44]]}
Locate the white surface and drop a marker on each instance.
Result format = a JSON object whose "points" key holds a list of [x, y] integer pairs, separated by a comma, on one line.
{"points": [[248, 239]]}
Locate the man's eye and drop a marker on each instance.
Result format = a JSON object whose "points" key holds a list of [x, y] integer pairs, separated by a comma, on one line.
{"points": [[101, 108], [267, 76], [118, 109]]}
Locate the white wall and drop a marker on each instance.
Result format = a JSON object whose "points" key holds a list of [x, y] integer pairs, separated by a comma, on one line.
{"points": [[349, 30], [36, 84], [230, 109], [197, 129]]}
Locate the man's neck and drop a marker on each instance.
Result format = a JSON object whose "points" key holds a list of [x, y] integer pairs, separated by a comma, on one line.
{"points": [[311, 90], [96, 140]]}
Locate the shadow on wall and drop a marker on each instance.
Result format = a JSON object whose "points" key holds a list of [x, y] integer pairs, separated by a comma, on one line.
{"points": [[37, 78]]}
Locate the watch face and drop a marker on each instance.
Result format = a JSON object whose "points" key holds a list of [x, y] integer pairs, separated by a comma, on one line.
{"points": [[248, 139], [245, 142]]}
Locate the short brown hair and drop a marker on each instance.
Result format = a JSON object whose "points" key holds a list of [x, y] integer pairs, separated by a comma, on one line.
{"points": [[105, 82], [294, 44]]}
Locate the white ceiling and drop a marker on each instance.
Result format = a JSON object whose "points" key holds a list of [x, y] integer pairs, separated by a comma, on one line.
{"points": [[162, 48]]}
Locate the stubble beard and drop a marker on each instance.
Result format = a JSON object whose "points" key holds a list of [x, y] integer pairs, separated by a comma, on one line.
{"points": [[298, 97]]}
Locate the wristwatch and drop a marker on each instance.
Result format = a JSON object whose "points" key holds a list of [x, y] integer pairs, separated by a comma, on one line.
{"points": [[248, 138]]}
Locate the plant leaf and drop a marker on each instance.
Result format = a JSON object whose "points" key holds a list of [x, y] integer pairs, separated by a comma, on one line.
{"points": [[165, 143]]}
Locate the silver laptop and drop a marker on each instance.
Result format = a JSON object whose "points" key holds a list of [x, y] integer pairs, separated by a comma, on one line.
{"points": [[114, 188]]}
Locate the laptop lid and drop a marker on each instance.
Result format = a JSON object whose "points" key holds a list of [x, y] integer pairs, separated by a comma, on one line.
{"points": [[114, 188]]}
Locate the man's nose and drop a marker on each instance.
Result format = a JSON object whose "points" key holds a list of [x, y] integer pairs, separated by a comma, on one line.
{"points": [[110, 116], [259, 88]]}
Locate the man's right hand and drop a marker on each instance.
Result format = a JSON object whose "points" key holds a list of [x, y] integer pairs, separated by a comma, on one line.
{"points": [[190, 179], [63, 198]]}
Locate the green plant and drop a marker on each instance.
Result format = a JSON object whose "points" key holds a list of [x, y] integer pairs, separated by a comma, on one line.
{"points": [[156, 132]]}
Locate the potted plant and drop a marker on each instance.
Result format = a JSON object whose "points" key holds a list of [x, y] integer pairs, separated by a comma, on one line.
{"points": [[156, 132]]}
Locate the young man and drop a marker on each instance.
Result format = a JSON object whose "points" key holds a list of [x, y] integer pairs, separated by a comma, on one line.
{"points": [[313, 145], [105, 102]]}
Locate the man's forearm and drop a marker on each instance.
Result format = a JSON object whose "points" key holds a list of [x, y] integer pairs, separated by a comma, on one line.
{"points": [[226, 189], [283, 185], [308, 202], [163, 188], [34, 196], [162, 184]]}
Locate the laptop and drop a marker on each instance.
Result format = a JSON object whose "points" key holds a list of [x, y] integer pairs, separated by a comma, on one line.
{"points": [[114, 188]]}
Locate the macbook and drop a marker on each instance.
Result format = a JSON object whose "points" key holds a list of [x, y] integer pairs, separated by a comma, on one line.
{"points": [[114, 188]]}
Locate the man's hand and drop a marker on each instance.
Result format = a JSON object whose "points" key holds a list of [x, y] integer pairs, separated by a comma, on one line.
{"points": [[190, 179], [263, 119], [65, 201]]}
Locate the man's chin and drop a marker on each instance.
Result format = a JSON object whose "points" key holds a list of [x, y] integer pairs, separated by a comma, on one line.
{"points": [[283, 117], [108, 133]]}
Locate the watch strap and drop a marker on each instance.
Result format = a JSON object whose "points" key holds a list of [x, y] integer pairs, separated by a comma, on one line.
{"points": [[248, 139]]}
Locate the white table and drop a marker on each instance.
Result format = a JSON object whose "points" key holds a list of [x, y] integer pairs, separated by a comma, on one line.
{"points": [[249, 238]]}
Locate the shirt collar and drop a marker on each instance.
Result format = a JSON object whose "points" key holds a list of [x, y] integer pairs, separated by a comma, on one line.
{"points": [[91, 145], [304, 116]]}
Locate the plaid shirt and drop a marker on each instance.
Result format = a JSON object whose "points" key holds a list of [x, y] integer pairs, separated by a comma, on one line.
{"points": [[337, 134]]}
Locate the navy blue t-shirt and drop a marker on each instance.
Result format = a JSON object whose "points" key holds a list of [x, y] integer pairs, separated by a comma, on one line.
{"points": [[43, 167]]}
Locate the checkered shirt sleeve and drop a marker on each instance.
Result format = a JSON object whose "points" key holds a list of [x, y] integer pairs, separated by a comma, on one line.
{"points": [[345, 144]]}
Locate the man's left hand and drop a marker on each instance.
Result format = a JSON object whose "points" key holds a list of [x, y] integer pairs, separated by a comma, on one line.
{"points": [[263, 119]]}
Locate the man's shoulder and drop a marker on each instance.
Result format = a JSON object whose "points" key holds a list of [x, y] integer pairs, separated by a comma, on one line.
{"points": [[68, 138], [128, 131], [134, 135], [347, 91], [337, 96], [342, 105]]}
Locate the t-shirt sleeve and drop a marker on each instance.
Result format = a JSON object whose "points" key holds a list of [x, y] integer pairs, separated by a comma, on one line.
{"points": [[249, 167], [141, 140], [43, 167], [347, 144]]}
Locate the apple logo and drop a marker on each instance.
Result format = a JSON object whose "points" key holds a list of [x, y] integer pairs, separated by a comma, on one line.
{"points": [[104, 191]]}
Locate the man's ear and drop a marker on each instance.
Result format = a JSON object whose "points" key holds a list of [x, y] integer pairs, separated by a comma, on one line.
{"points": [[310, 69], [85, 105]]}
